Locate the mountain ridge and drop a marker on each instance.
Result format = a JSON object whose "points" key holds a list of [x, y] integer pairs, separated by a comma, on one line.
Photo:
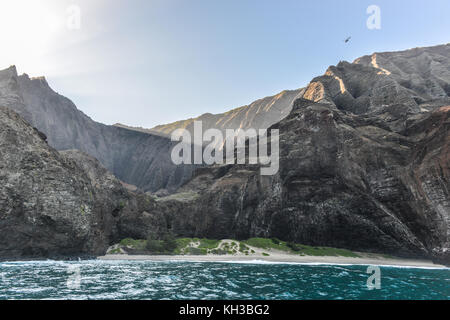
{"points": [[269, 109], [130, 155], [68, 128]]}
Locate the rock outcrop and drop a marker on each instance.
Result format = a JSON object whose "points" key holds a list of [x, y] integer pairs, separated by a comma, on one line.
{"points": [[48, 205], [61, 204]]}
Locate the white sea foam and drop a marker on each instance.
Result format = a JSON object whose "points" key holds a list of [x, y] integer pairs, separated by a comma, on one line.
{"points": [[256, 261]]}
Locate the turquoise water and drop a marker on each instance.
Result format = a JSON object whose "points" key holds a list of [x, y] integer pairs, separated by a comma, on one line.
{"points": [[196, 280]]}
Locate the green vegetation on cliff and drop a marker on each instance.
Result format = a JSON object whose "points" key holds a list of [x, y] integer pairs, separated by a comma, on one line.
{"points": [[253, 246], [296, 248]]}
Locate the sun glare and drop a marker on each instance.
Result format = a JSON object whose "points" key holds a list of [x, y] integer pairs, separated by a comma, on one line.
{"points": [[27, 31]]}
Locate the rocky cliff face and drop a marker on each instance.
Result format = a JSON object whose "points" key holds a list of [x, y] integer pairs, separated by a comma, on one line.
{"points": [[137, 158], [48, 204], [61, 204], [364, 165]]}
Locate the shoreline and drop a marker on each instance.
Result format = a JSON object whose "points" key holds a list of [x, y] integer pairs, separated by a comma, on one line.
{"points": [[280, 258]]}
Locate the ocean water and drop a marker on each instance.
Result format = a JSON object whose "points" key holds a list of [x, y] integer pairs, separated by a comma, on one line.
{"points": [[212, 280]]}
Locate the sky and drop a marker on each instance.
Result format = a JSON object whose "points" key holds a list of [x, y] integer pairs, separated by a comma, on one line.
{"points": [[149, 62]]}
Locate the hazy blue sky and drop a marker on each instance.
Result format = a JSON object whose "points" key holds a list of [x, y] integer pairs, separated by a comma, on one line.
{"points": [[149, 62]]}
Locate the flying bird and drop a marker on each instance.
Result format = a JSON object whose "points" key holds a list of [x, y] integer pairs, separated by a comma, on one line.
{"points": [[347, 40]]}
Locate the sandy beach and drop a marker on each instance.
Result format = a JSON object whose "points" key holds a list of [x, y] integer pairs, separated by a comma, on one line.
{"points": [[281, 258], [255, 254]]}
